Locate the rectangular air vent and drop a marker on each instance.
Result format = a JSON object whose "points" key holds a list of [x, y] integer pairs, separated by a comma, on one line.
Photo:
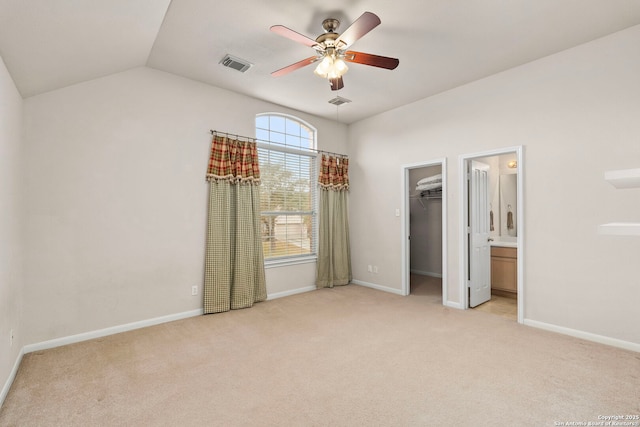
{"points": [[338, 100], [236, 63]]}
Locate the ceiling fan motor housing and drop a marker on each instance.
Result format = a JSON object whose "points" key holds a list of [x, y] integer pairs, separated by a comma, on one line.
{"points": [[328, 39], [330, 25]]}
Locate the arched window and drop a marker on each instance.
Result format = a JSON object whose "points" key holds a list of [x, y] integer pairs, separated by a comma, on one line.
{"points": [[288, 189]]}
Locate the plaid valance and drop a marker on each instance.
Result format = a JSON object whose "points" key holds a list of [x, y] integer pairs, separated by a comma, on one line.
{"points": [[334, 173], [233, 160]]}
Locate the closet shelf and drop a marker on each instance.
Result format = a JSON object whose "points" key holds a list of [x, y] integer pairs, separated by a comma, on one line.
{"points": [[626, 178], [620, 228]]}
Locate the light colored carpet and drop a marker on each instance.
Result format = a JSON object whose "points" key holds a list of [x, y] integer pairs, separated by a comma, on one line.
{"points": [[348, 356], [426, 286]]}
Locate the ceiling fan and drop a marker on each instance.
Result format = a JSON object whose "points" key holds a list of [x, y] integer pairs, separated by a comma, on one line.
{"points": [[331, 49]]}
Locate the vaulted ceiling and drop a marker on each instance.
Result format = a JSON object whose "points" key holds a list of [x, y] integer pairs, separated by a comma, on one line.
{"points": [[441, 44]]}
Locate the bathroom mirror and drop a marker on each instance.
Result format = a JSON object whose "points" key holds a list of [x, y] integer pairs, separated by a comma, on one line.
{"points": [[508, 205]]}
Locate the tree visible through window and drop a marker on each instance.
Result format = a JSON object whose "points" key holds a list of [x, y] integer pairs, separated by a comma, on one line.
{"points": [[288, 186]]}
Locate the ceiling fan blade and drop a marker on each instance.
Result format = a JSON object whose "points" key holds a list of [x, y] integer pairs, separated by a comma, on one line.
{"points": [[361, 26], [369, 59], [336, 83], [293, 67], [296, 37]]}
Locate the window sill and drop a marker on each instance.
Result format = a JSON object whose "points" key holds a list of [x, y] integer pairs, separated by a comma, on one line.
{"points": [[290, 261]]}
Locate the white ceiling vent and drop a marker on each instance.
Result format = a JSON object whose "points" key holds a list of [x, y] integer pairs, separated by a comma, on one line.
{"points": [[338, 100], [236, 63]]}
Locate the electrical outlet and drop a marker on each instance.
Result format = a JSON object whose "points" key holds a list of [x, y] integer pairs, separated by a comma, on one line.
{"points": [[194, 290], [375, 269], [369, 268], [11, 338]]}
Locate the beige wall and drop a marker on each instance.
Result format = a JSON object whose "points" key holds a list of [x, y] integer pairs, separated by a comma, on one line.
{"points": [[116, 198], [11, 214], [576, 115]]}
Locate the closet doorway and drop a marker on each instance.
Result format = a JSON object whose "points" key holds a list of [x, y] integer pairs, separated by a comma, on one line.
{"points": [[424, 219]]}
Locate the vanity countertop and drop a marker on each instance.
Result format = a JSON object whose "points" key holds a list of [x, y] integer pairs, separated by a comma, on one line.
{"points": [[504, 244]]}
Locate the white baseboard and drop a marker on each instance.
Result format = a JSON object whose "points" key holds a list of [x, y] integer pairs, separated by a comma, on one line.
{"points": [[72, 339], [378, 287], [137, 325], [614, 342], [426, 273], [291, 292], [12, 376], [451, 304], [455, 305]]}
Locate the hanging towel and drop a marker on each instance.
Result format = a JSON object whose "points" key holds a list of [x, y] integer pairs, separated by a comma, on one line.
{"points": [[509, 220], [491, 220]]}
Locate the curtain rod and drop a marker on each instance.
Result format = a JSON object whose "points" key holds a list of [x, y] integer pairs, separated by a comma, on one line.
{"points": [[213, 132]]}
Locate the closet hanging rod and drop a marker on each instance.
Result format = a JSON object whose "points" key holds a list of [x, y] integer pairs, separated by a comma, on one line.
{"points": [[316, 150]]}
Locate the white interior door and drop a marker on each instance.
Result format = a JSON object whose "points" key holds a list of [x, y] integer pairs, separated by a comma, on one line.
{"points": [[479, 248]]}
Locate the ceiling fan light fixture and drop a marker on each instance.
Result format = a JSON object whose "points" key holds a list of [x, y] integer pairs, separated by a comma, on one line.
{"points": [[331, 67], [324, 67], [340, 67]]}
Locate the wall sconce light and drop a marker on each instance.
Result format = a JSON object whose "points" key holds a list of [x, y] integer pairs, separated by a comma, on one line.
{"points": [[512, 164]]}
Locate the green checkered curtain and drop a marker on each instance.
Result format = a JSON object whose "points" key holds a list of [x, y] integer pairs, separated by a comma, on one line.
{"points": [[334, 256], [234, 264]]}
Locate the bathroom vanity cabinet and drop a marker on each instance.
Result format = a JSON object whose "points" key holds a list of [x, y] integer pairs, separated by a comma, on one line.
{"points": [[504, 271]]}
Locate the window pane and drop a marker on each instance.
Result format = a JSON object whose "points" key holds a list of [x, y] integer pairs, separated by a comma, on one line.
{"points": [[293, 128], [276, 123], [276, 137], [304, 132], [288, 187], [307, 137], [286, 235], [262, 134], [262, 122], [285, 181], [293, 141]]}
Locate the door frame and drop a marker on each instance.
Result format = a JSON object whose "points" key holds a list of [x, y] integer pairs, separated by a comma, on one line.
{"points": [[406, 225], [464, 160]]}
